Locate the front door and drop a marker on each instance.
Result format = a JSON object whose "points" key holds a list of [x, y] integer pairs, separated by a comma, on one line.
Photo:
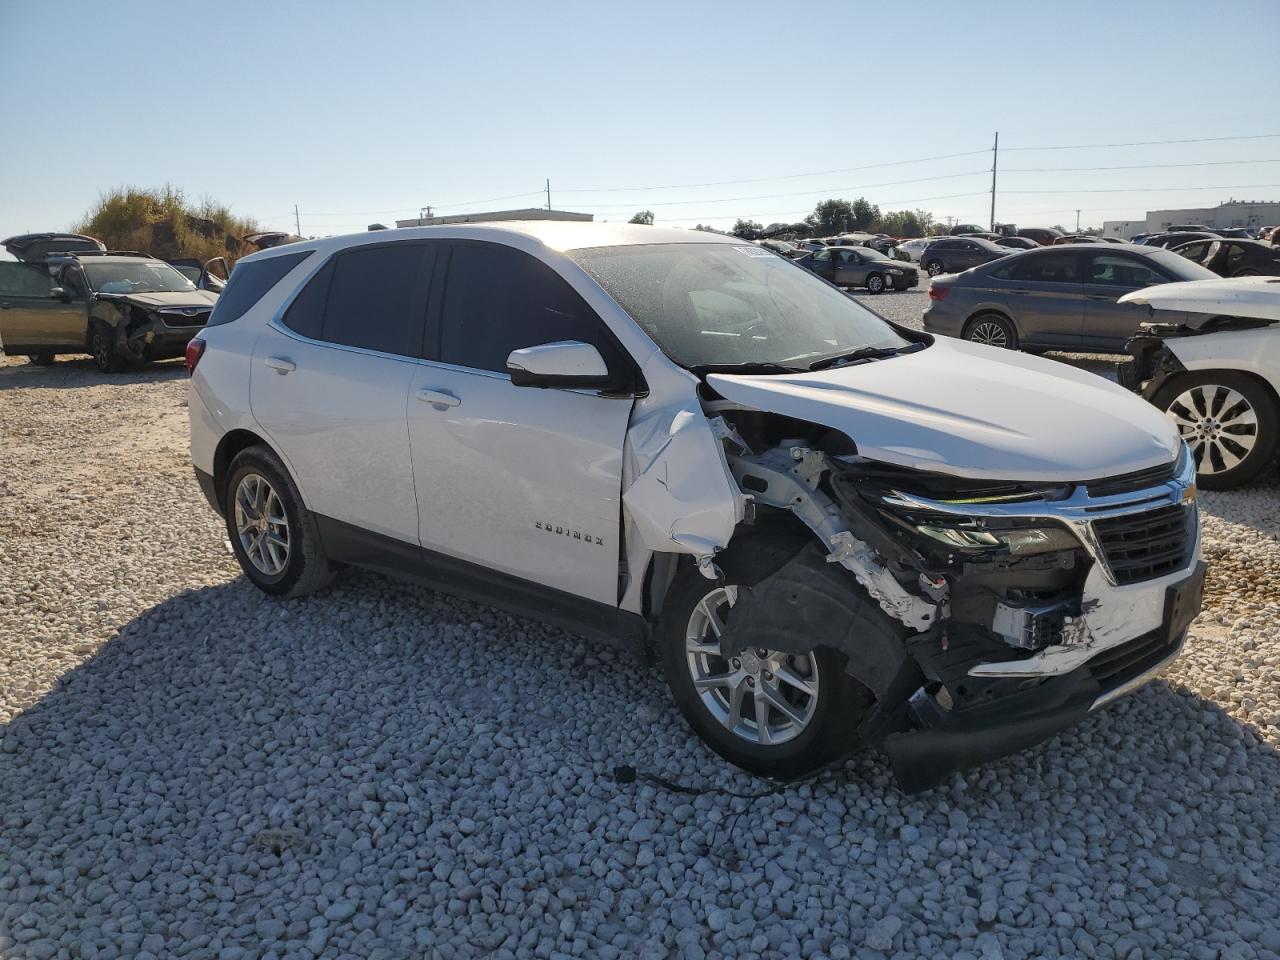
{"points": [[1108, 276], [520, 480], [850, 271], [330, 384], [31, 318]]}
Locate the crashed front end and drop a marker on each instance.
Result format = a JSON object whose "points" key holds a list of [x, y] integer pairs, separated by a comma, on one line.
{"points": [[145, 330], [1015, 609]]}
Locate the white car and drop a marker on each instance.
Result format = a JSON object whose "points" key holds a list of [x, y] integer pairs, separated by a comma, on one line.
{"points": [[832, 530], [913, 248], [1210, 359]]}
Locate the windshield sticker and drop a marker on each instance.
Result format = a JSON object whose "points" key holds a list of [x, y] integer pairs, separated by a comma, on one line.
{"points": [[759, 253]]}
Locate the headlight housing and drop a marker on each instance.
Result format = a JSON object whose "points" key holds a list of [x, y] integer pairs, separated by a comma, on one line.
{"points": [[895, 271], [971, 535]]}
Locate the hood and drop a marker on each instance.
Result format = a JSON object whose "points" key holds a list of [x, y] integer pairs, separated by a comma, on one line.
{"points": [[1257, 297], [150, 301], [973, 412]]}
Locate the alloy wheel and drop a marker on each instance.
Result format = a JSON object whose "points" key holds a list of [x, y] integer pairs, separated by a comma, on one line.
{"points": [[764, 696], [1218, 423], [934, 268], [261, 524], [990, 333], [875, 284]]}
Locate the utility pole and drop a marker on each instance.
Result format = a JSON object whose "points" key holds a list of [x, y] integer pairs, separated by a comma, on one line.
{"points": [[1077, 221], [424, 213], [548, 193], [297, 221], [995, 157]]}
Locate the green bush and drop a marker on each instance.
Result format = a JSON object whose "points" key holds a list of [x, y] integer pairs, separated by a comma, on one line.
{"points": [[161, 223]]}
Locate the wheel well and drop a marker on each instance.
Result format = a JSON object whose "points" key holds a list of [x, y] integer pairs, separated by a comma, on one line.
{"points": [[228, 447]]}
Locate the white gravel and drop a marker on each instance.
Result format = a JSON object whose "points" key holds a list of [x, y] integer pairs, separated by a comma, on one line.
{"points": [[192, 770]]}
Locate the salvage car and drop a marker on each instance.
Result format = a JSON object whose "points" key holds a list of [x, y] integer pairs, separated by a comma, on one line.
{"points": [[953, 254], [119, 307], [832, 530], [1054, 298], [1210, 359], [1233, 258], [861, 267]]}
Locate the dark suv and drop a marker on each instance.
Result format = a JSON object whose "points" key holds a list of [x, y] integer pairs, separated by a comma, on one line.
{"points": [[954, 254], [1055, 298], [119, 307]]}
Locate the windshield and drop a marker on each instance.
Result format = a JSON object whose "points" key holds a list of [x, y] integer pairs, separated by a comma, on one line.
{"points": [[143, 276], [716, 305]]}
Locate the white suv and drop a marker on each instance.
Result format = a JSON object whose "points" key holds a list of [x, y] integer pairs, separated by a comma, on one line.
{"points": [[834, 531]]}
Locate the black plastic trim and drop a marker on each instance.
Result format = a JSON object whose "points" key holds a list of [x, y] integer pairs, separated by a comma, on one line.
{"points": [[208, 489], [346, 543]]}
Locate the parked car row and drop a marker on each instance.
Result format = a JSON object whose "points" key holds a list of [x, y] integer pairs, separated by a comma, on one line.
{"points": [[832, 531]]}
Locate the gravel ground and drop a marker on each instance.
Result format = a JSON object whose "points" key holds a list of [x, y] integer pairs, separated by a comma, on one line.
{"points": [[190, 769]]}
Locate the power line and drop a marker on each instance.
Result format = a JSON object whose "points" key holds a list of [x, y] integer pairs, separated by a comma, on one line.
{"points": [[774, 196], [1236, 186], [788, 176], [1137, 166], [1149, 143]]}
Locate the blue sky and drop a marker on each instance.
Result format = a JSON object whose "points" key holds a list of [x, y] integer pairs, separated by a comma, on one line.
{"points": [[367, 112]]}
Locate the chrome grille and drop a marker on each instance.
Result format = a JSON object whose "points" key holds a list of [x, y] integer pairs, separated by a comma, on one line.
{"points": [[1146, 545]]}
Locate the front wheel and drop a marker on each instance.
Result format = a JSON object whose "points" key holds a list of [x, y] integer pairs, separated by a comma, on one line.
{"points": [[102, 346], [1230, 421], [272, 533], [875, 283], [769, 712]]}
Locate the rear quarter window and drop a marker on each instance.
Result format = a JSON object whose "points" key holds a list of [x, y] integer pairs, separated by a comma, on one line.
{"points": [[249, 283]]}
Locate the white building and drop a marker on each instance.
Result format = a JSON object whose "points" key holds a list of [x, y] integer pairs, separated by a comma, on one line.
{"points": [[530, 213], [1250, 214]]}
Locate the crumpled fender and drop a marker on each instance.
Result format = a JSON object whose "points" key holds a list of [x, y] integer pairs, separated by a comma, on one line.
{"points": [[674, 503], [810, 603]]}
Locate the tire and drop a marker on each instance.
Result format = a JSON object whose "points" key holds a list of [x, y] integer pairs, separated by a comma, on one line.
{"points": [[43, 358], [875, 283], [934, 268], [291, 562], [831, 714], [103, 348], [993, 330], [1230, 421]]}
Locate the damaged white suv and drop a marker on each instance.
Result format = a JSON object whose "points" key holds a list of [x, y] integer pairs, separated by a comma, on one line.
{"points": [[834, 532]]}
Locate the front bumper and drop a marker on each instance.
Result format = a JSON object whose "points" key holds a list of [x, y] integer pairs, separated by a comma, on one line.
{"points": [[1043, 705]]}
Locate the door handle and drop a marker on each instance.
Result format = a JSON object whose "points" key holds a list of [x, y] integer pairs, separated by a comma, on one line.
{"points": [[1020, 292], [440, 399], [281, 365], [1098, 296]]}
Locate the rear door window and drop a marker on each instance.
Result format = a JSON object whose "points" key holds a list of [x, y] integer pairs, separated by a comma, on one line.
{"points": [[24, 280], [1061, 267], [249, 283], [498, 299]]}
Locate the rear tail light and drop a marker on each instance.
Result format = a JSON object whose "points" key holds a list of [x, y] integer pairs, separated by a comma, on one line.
{"points": [[938, 293], [195, 350]]}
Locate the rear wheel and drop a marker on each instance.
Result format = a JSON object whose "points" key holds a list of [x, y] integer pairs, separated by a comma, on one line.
{"points": [[41, 359], [934, 268], [272, 533], [993, 330], [1230, 421], [875, 283], [767, 711]]}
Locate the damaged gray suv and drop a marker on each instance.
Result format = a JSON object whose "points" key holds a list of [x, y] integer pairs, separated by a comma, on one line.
{"points": [[832, 531]]}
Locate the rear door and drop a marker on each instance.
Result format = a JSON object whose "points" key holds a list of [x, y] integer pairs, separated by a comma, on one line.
{"points": [[31, 318], [520, 480], [330, 384], [1107, 277], [1045, 296]]}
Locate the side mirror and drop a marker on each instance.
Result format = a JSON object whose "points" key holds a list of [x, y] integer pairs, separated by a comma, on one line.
{"points": [[567, 363], [60, 293]]}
